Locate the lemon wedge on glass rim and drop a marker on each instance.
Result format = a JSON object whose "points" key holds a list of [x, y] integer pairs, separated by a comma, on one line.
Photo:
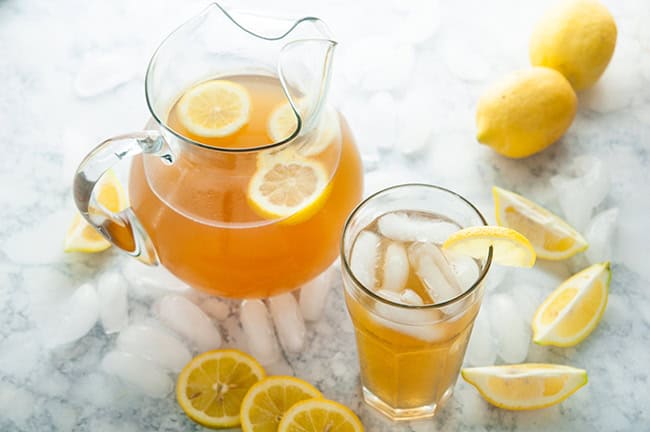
{"points": [[317, 415], [571, 312], [214, 109], [551, 237], [267, 401], [211, 387], [525, 386], [81, 236], [510, 248]]}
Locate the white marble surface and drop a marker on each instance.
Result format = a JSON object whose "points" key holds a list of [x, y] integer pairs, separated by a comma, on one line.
{"points": [[408, 75]]}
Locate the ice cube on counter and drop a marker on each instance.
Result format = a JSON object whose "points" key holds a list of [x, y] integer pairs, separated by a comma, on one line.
{"points": [[217, 309], [154, 344], [289, 324], [73, 318], [141, 373], [113, 302], [152, 281], [481, 350], [364, 258], [188, 320], [260, 337], [313, 296], [434, 271], [404, 227], [600, 236], [582, 190], [528, 297], [395, 269], [100, 73], [510, 330]]}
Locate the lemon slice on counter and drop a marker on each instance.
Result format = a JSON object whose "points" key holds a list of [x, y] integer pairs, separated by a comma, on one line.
{"points": [[318, 415], [215, 109], [551, 237], [288, 187], [211, 387], [574, 309], [266, 402], [510, 248], [81, 236], [525, 386]]}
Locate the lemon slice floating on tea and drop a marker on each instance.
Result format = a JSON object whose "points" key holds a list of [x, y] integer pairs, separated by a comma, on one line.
{"points": [[574, 309], [525, 386], [211, 387], [215, 109], [317, 415], [551, 237], [288, 187], [510, 248], [267, 402], [81, 236]]}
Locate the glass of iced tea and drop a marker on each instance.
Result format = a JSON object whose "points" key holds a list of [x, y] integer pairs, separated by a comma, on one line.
{"points": [[412, 303], [242, 180]]}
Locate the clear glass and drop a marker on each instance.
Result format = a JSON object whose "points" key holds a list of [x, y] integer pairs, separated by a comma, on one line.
{"points": [[189, 207], [410, 356]]}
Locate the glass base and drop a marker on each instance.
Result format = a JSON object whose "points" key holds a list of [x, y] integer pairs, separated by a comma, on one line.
{"points": [[404, 414]]}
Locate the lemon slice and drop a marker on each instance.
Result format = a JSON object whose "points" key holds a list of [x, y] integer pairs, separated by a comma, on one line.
{"points": [[525, 386], [574, 309], [215, 109], [282, 123], [510, 248], [81, 236], [288, 187], [211, 387], [267, 401], [317, 415], [551, 237]]}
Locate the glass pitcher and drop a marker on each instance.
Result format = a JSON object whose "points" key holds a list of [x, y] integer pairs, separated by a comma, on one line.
{"points": [[244, 176]]}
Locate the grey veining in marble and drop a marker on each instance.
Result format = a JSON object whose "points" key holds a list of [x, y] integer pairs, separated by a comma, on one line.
{"points": [[408, 75]]}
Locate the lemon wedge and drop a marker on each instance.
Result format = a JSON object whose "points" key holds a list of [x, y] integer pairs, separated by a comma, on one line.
{"points": [[525, 386], [574, 309], [215, 109], [211, 387], [551, 237], [317, 415], [267, 401], [510, 248], [288, 187], [81, 236]]}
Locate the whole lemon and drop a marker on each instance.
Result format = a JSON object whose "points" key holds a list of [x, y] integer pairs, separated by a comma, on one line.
{"points": [[576, 38], [525, 112]]}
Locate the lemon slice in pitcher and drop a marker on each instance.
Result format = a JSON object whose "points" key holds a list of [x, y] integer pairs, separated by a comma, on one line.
{"points": [[289, 187], [81, 236], [317, 415], [551, 237], [215, 109], [510, 248]]}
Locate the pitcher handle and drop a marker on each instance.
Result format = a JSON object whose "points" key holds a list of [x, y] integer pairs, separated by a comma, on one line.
{"points": [[122, 229]]}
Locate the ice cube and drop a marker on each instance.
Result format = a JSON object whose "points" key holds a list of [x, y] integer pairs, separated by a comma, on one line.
{"points": [[528, 297], [188, 320], [464, 61], [73, 318], [390, 295], [395, 270], [410, 297], [141, 373], [217, 309], [464, 267], [113, 302], [364, 258], [280, 367], [416, 21], [289, 324], [152, 281], [510, 330], [600, 235], [582, 190], [418, 324], [258, 329], [154, 344], [404, 227], [313, 296], [100, 73], [481, 350], [39, 243], [496, 277], [434, 271]]}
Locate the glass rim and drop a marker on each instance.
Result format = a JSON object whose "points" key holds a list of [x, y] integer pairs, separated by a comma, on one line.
{"points": [[371, 293], [205, 11]]}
